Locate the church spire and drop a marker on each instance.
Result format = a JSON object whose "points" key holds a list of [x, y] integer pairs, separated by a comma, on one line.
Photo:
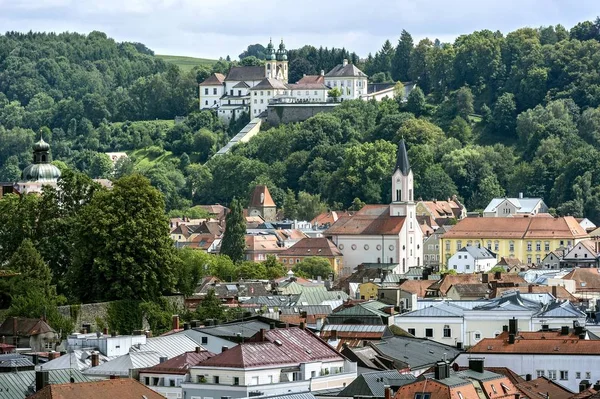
{"points": [[402, 159]]}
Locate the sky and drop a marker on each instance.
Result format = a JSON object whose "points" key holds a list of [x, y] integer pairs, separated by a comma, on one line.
{"points": [[217, 28]]}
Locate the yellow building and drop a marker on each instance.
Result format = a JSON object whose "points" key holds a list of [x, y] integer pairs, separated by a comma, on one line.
{"points": [[368, 290], [526, 238]]}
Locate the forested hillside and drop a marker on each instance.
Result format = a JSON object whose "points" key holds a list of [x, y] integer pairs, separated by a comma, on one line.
{"points": [[494, 115]]}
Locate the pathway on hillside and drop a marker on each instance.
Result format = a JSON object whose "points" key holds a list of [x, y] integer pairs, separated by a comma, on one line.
{"points": [[247, 132]]}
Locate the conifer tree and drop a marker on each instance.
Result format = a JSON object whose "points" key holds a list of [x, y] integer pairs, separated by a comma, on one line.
{"points": [[234, 241]]}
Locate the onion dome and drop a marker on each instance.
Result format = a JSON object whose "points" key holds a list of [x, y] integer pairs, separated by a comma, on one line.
{"points": [[41, 169], [41, 146]]}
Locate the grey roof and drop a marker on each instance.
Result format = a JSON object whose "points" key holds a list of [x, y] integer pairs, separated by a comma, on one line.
{"points": [[122, 365], [439, 309], [303, 395], [22, 384], [340, 71], [273, 300], [309, 309], [315, 297], [509, 301], [354, 327], [402, 159], [241, 85], [15, 362], [78, 360], [477, 252], [524, 205], [471, 289], [485, 376], [170, 345], [270, 83], [244, 329], [373, 384], [418, 353], [560, 309], [238, 73]]}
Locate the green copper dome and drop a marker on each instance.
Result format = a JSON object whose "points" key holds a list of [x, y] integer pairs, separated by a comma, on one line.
{"points": [[40, 172], [41, 169]]}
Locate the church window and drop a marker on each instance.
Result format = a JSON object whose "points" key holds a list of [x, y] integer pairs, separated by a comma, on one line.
{"points": [[391, 260], [206, 91], [411, 240], [378, 247], [418, 261], [410, 197], [353, 247], [398, 195], [366, 247], [391, 247]]}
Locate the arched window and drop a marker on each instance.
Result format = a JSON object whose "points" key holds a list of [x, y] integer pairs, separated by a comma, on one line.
{"points": [[43, 157]]}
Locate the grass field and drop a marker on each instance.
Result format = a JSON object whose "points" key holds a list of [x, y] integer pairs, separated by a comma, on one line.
{"points": [[186, 63]]}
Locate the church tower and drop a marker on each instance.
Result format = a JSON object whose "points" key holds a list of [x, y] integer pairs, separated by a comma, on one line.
{"points": [[402, 185], [282, 63], [276, 64], [271, 61]]}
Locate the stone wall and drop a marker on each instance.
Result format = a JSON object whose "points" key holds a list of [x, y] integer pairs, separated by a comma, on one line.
{"points": [[289, 113], [88, 313]]}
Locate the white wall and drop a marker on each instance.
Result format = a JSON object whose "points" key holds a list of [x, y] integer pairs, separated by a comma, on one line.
{"points": [[523, 364], [368, 249], [211, 99]]}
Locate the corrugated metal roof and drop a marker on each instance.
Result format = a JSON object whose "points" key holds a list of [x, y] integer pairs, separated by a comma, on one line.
{"points": [[354, 328], [245, 329], [22, 384], [318, 297], [440, 309], [79, 360], [170, 346], [17, 362], [418, 353], [122, 365], [304, 395], [372, 384]]}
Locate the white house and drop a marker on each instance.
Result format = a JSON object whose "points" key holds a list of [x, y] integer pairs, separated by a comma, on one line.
{"points": [[351, 81], [472, 259], [383, 233], [506, 207], [583, 254], [277, 361], [561, 356], [263, 92], [211, 90]]}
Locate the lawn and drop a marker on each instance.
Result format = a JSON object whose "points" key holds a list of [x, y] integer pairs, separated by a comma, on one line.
{"points": [[186, 63]]}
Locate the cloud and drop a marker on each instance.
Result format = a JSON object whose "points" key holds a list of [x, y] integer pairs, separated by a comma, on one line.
{"points": [[211, 28]]}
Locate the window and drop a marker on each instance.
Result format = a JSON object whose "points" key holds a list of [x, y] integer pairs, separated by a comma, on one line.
{"points": [[469, 243], [216, 379], [538, 246], [489, 245], [540, 373], [578, 375], [564, 374], [447, 245], [477, 335], [458, 245], [546, 245], [206, 91], [552, 374], [529, 245], [468, 267], [496, 245], [411, 331], [528, 259], [422, 396], [511, 246], [262, 101], [146, 380], [236, 380], [262, 93], [588, 375], [255, 101], [214, 91], [297, 260], [269, 93], [459, 257], [204, 340], [538, 259], [455, 267], [206, 102], [562, 243], [447, 332], [429, 332]]}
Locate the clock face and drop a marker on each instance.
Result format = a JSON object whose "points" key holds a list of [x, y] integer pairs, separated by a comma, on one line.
{"points": [[398, 180]]}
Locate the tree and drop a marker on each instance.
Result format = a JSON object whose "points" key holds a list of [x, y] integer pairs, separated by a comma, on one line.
{"points": [[309, 205], [290, 205], [401, 61], [275, 268], [251, 61], [435, 184], [464, 102], [121, 244], [460, 130], [193, 265], [504, 116], [357, 205], [34, 272], [300, 67], [313, 267], [334, 93], [234, 243], [210, 308], [415, 103]]}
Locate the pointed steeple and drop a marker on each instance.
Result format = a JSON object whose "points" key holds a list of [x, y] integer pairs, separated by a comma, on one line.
{"points": [[402, 159]]}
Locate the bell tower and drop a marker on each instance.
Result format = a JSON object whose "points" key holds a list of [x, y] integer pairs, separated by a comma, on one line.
{"points": [[402, 185], [282, 63], [271, 61]]}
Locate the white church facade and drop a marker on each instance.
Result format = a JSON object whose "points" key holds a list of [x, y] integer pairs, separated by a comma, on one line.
{"points": [[387, 234]]}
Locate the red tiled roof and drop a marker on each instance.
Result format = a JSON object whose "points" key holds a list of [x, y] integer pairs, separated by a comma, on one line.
{"points": [[543, 388], [215, 79], [517, 228], [442, 209], [312, 79], [179, 364], [107, 389], [261, 197], [545, 346], [329, 217], [586, 279], [24, 327], [370, 220], [437, 390], [262, 243], [281, 346], [418, 287], [312, 247]]}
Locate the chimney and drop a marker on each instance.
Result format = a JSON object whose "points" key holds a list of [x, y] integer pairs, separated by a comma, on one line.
{"points": [[505, 328], [545, 327], [484, 278], [175, 322], [554, 291], [41, 380], [498, 275], [148, 334], [345, 62], [476, 364], [583, 385], [224, 349], [263, 335], [53, 355], [322, 72], [511, 338], [388, 392], [162, 359], [597, 386], [105, 331], [530, 288], [35, 359], [199, 349], [564, 330], [302, 325], [459, 345], [512, 326], [113, 334], [528, 377], [272, 325], [186, 326], [95, 359], [333, 335], [442, 370], [520, 195]]}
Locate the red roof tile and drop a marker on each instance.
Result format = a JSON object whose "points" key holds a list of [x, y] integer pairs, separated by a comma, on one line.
{"points": [[215, 79], [261, 197], [418, 287], [107, 389], [312, 247], [585, 279], [24, 327], [545, 346], [370, 220], [179, 364], [543, 388]]}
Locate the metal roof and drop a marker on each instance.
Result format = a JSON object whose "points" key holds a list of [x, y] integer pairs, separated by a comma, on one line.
{"points": [[122, 365], [373, 384], [303, 395], [79, 360], [440, 309], [169, 346], [354, 328], [245, 329], [16, 362], [416, 352], [22, 384]]}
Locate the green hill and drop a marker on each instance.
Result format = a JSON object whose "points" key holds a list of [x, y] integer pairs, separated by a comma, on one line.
{"points": [[186, 63]]}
